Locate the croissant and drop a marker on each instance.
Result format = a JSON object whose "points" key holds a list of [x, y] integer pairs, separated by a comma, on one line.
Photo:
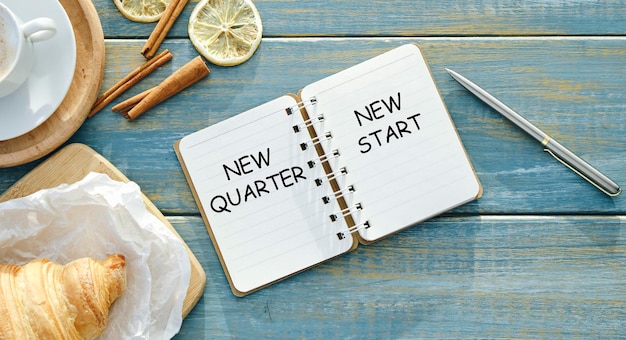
{"points": [[46, 300]]}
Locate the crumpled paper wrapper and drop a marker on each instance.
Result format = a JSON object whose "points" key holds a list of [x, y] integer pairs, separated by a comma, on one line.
{"points": [[96, 217]]}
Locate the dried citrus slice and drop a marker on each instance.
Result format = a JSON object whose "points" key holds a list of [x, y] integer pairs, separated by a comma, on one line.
{"points": [[225, 32], [142, 10]]}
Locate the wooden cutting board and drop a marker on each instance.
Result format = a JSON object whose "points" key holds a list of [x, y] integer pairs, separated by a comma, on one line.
{"points": [[73, 163]]}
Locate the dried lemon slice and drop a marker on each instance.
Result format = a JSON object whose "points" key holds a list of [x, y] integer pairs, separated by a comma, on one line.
{"points": [[225, 32], [142, 10]]}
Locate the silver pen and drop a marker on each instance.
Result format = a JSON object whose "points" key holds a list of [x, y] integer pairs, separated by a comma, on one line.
{"points": [[558, 151]]}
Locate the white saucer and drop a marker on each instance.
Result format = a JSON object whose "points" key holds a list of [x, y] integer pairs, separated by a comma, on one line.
{"points": [[53, 70]]}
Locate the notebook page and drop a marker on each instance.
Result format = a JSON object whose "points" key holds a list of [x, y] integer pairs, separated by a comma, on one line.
{"points": [[396, 139], [258, 194]]}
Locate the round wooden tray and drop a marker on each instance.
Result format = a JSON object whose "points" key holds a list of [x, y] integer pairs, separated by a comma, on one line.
{"points": [[81, 95]]}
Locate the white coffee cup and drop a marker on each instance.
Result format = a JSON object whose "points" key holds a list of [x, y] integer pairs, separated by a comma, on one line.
{"points": [[16, 47]]}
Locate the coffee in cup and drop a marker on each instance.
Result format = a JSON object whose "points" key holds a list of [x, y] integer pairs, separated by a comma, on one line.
{"points": [[16, 47]]}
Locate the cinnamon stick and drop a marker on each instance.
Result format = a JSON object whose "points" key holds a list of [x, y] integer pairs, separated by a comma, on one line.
{"points": [[130, 80], [171, 13], [129, 103], [190, 73]]}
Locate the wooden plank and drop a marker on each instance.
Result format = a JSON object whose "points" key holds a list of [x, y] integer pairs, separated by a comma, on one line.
{"points": [[339, 18], [570, 87], [468, 277], [473, 273]]}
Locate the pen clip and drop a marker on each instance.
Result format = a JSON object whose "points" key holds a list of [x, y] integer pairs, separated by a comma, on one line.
{"points": [[581, 174]]}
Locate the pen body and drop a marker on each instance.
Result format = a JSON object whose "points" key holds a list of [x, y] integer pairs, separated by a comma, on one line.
{"points": [[581, 167], [575, 163]]}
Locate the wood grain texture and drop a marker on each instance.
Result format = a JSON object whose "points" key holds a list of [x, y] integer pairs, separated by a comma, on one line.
{"points": [[567, 87], [465, 277], [540, 255], [383, 18]]}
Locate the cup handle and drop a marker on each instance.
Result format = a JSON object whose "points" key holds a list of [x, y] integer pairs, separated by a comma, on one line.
{"points": [[39, 29]]}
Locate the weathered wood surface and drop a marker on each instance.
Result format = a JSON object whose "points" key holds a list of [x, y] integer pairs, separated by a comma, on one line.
{"points": [[540, 255], [572, 88], [465, 277], [384, 18]]}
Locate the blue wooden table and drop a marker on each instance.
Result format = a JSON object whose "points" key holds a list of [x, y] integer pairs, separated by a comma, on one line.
{"points": [[541, 255]]}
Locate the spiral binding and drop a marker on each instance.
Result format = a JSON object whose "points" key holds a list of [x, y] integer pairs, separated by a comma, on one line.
{"points": [[342, 193], [344, 212], [301, 105], [317, 140], [334, 154], [338, 194], [348, 211], [342, 234], [308, 123], [333, 175]]}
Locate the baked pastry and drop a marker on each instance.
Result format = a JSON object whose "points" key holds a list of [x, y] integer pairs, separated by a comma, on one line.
{"points": [[46, 300]]}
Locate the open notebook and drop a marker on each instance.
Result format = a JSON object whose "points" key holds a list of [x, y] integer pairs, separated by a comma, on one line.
{"points": [[354, 157]]}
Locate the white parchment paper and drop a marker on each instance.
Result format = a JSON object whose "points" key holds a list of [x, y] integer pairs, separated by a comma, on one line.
{"points": [[96, 217]]}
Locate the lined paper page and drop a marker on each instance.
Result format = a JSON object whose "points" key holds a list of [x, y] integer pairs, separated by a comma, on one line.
{"points": [[258, 194], [396, 139]]}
